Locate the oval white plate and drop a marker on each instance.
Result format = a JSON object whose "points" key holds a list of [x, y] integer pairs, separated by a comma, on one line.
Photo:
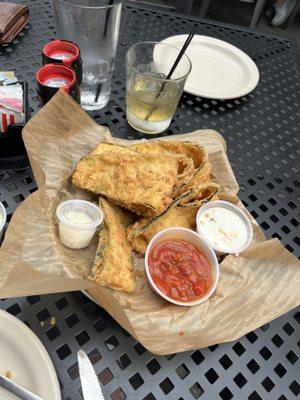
{"points": [[219, 69], [22, 353]]}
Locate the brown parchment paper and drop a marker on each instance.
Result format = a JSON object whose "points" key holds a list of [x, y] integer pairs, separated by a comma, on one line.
{"points": [[255, 287]]}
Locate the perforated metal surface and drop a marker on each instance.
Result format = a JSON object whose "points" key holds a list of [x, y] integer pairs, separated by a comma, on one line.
{"points": [[261, 133], [262, 365]]}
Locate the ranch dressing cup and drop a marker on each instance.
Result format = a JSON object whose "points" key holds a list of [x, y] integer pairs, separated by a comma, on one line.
{"points": [[224, 227], [2, 218], [78, 221]]}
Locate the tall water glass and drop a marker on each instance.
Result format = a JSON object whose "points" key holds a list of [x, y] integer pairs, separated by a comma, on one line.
{"points": [[94, 26]]}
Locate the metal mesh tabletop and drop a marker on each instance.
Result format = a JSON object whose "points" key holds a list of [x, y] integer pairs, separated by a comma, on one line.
{"points": [[261, 133]]}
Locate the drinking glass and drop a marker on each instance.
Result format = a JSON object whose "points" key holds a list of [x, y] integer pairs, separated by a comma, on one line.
{"points": [[151, 98], [94, 26]]}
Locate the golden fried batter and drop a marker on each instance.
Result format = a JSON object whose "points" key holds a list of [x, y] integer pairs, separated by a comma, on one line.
{"points": [[113, 266], [142, 183], [182, 212], [199, 174], [108, 147], [177, 149]]}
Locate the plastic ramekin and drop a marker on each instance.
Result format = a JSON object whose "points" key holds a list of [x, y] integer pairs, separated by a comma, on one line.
{"points": [[232, 207], [78, 235], [190, 237]]}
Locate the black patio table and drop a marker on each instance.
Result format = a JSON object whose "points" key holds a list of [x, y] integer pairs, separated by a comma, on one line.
{"points": [[261, 133]]}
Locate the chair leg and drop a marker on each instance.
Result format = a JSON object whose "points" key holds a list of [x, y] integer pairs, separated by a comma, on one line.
{"points": [[203, 8], [184, 6], [259, 6]]}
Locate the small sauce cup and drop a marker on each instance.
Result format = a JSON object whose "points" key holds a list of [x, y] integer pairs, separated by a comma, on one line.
{"points": [[247, 227], [2, 218], [194, 239], [78, 233]]}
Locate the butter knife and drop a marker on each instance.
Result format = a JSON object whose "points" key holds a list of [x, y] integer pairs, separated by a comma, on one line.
{"points": [[17, 390], [90, 385]]}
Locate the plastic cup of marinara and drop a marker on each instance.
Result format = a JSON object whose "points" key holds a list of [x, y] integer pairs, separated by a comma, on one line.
{"points": [[181, 267]]}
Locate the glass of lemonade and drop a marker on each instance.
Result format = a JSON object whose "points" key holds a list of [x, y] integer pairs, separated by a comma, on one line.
{"points": [[151, 98]]}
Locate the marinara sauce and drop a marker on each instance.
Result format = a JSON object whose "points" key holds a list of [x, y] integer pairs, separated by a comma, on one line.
{"points": [[180, 270]]}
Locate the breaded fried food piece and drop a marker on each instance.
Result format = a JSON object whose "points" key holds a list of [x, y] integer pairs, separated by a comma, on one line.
{"points": [[139, 182], [185, 163], [182, 213], [113, 266], [199, 174], [111, 147], [177, 149], [190, 149]]}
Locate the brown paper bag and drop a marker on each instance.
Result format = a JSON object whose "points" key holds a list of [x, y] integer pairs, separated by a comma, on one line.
{"points": [[254, 288]]}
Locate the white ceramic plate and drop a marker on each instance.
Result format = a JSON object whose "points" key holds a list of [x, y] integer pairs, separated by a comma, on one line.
{"points": [[22, 353], [219, 70]]}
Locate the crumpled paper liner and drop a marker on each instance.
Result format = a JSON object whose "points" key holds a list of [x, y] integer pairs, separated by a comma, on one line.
{"points": [[254, 288]]}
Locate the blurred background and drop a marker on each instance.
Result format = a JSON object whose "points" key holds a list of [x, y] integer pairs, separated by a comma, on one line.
{"points": [[274, 16]]}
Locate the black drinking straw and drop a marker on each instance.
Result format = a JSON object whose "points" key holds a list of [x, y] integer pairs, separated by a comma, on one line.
{"points": [[110, 2], [181, 53]]}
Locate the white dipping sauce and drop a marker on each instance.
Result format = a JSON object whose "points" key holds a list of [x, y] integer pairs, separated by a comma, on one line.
{"points": [[76, 238], [61, 55], [56, 82], [78, 217], [78, 221], [223, 228]]}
